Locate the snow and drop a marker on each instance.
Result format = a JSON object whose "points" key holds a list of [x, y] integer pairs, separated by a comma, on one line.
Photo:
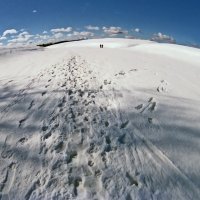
{"points": [[108, 42], [80, 122]]}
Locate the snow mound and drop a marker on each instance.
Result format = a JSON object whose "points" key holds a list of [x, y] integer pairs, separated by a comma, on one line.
{"points": [[107, 42], [171, 50]]}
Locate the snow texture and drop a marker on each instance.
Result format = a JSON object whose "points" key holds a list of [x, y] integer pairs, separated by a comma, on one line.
{"points": [[80, 122]]}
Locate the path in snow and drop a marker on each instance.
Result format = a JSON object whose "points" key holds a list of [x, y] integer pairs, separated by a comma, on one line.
{"points": [[64, 136]]}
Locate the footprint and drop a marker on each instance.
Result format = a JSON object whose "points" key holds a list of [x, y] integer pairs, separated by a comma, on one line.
{"points": [[21, 122], [6, 154], [47, 135], [152, 107], [107, 148], [64, 99], [133, 70], [70, 156], [86, 119], [163, 86], [44, 128], [70, 92], [131, 179], [150, 120], [10, 81], [31, 105], [103, 156], [90, 163], [101, 109], [94, 120], [122, 73], [105, 82], [59, 147], [76, 182], [34, 186], [43, 93], [107, 124], [64, 84], [9, 179], [97, 173], [60, 105], [139, 107], [150, 99], [122, 139], [107, 139], [92, 148], [124, 125], [22, 140], [53, 118], [93, 96]]}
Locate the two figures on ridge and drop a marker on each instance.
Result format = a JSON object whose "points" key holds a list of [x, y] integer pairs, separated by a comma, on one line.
{"points": [[101, 46]]}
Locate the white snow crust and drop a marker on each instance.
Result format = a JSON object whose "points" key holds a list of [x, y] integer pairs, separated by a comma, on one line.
{"points": [[80, 122]]}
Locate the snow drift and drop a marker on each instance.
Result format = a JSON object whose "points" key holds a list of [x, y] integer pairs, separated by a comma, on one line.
{"points": [[80, 122]]}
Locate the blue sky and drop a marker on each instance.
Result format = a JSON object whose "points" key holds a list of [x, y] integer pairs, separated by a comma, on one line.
{"points": [[177, 18]]}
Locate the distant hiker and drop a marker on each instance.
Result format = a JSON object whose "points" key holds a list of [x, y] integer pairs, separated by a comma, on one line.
{"points": [[100, 46]]}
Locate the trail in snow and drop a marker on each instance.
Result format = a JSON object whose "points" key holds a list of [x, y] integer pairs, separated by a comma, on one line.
{"points": [[67, 137]]}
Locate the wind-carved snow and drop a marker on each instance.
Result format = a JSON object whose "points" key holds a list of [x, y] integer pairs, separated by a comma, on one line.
{"points": [[66, 135]]}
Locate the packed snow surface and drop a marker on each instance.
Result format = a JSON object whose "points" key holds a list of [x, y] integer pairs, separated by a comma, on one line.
{"points": [[80, 122]]}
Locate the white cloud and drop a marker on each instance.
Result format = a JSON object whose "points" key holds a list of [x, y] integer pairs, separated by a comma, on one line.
{"points": [[19, 42], [2, 38], [137, 30], [23, 33], [1, 44], [9, 32], [112, 31], [82, 34], [21, 38], [59, 30], [86, 34], [42, 37], [58, 35], [45, 32], [34, 11], [94, 28], [69, 35], [159, 37]]}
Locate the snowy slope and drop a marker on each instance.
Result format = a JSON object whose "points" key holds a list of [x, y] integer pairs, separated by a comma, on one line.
{"points": [[80, 122]]}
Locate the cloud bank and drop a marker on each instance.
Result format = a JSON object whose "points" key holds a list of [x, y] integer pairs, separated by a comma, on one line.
{"points": [[112, 31], [9, 32], [13, 37], [92, 28], [59, 30], [159, 37]]}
